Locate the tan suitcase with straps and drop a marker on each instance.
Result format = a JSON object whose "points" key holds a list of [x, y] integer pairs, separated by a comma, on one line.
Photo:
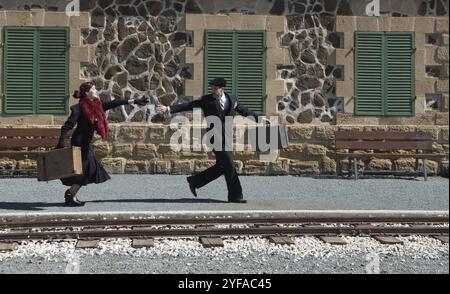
{"points": [[59, 164]]}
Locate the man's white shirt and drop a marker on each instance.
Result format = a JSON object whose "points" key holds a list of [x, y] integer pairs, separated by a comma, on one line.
{"points": [[223, 101]]}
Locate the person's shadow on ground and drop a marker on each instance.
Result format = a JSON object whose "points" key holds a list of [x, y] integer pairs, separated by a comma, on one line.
{"points": [[33, 206], [39, 206], [160, 200]]}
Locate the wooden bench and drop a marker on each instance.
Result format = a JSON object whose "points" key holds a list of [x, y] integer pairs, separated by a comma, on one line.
{"points": [[28, 143], [354, 145]]}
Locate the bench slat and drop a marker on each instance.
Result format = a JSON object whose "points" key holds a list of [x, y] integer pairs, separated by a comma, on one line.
{"points": [[28, 154], [388, 136], [31, 132], [32, 143], [387, 155], [388, 145]]}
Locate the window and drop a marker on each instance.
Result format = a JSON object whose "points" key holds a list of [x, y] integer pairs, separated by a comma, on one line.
{"points": [[240, 58], [384, 73], [35, 70]]}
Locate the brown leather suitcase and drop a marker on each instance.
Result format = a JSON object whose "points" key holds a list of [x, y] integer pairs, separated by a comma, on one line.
{"points": [[59, 164]]}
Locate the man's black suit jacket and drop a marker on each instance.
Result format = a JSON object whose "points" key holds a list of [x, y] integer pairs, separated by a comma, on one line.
{"points": [[211, 107]]}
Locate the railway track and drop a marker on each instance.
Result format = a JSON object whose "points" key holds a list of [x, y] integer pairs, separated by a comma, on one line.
{"points": [[224, 225]]}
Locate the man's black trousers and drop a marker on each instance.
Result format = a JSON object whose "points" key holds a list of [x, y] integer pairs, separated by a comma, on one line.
{"points": [[224, 166]]}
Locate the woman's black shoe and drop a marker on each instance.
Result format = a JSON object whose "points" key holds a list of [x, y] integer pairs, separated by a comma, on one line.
{"points": [[72, 200]]}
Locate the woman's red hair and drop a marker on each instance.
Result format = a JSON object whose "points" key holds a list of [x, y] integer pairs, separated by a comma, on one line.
{"points": [[84, 89]]}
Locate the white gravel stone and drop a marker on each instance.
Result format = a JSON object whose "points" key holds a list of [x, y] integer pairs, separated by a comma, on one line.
{"points": [[53, 251], [414, 246]]}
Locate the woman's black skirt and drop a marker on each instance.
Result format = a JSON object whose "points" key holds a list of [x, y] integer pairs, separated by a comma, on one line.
{"points": [[93, 171]]}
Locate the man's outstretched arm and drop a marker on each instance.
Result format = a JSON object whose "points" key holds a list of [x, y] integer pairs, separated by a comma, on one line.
{"points": [[244, 111], [179, 107]]}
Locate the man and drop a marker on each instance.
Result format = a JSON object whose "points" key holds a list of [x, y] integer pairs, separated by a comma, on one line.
{"points": [[219, 104]]}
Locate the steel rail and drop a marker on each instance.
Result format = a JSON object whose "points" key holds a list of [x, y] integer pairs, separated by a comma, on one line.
{"points": [[63, 223], [363, 230]]}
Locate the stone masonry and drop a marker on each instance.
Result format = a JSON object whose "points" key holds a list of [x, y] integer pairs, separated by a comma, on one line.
{"points": [[138, 47], [146, 149], [135, 47]]}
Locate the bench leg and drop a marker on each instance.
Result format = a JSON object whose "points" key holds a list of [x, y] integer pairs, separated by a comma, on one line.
{"points": [[350, 167], [338, 167], [425, 175], [416, 170], [355, 166]]}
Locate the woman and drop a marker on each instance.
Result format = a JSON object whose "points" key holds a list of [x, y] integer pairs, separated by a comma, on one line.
{"points": [[89, 116]]}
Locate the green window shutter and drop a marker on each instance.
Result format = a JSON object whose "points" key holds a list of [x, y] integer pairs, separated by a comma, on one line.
{"points": [[219, 55], [52, 86], [36, 70], [19, 71], [240, 58], [400, 74], [384, 73], [251, 71], [369, 73]]}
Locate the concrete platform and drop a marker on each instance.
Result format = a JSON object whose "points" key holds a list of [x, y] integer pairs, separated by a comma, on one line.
{"points": [[305, 215], [141, 193]]}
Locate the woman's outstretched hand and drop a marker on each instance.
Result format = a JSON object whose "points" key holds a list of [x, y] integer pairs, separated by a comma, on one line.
{"points": [[141, 101]]}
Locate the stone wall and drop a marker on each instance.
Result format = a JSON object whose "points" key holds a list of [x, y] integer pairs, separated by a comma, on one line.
{"points": [[79, 53], [431, 66], [274, 7], [139, 46], [146, 149]]}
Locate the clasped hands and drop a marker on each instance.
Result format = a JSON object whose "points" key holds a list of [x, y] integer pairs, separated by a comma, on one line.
{"points": [[164, 110], [142, 101]]}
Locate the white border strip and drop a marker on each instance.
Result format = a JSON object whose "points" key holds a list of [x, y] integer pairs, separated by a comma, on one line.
{"points": [[258, 213]]}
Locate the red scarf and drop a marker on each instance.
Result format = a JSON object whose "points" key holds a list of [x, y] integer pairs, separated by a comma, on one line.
{"points": [[93, 109]]}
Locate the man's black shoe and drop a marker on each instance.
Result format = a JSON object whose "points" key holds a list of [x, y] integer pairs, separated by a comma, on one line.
{"points": [[237, 200], [192, 186]]}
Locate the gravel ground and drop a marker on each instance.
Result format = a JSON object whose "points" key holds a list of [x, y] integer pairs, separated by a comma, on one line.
{"points": [[163, 192], [238, 256]]}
